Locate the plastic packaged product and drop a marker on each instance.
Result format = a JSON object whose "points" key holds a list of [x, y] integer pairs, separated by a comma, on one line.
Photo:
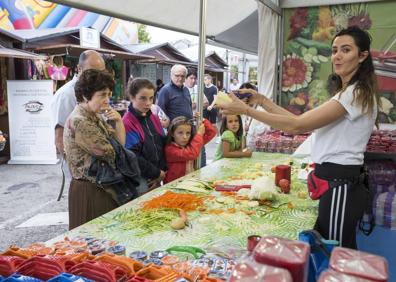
{"points": [[9, 264], [130, 266], [135, 278], [170, 260], [45, 267], [220, 268], [158, 254], [21, 278], [97, 248], [280, 252], [98, 271], [138, 255], [66, 277], [385, 210], [155, 261], [334, 276], [359, 264], [382, 175], [248, 270], [117, 250]]}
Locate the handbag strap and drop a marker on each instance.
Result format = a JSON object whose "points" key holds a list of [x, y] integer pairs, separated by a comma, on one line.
{"points": [[62, 160]]}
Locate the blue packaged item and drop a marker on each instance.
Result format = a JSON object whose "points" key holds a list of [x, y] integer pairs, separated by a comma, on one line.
{"points": [[158, 254], [21, 278], [320, 252], [156, 261], [138, 255], [1, 278], [117, 250], [66, 277]]}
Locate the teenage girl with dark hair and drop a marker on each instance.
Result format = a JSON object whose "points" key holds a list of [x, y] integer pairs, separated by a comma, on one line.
{"points": [[144, 133]]}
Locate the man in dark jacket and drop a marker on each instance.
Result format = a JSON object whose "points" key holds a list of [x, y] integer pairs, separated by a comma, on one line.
{"points": [[174, 98]]}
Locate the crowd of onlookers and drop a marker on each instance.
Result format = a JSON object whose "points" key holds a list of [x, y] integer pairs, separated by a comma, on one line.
{"points": [[113, 159]]}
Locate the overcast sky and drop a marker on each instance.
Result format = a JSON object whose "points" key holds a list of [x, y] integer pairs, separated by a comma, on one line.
{"points": [[159, 35]]}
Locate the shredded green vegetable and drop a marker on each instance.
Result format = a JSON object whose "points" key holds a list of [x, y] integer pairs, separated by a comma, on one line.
{"points": [[143, 222]]}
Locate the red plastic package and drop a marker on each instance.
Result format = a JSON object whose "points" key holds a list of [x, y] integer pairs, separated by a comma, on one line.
{"points": [[248, 270], [98, 271], [334, 276], [360, 264], [9, 264], [41, 268], [280, 252]]}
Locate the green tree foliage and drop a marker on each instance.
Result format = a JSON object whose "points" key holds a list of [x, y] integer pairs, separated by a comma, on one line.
{"points": [[143, 35]]}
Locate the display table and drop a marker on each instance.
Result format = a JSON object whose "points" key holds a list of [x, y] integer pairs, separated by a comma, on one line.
{"points": [[220, 225]]}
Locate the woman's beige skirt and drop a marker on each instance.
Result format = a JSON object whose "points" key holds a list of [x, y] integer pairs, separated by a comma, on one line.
{"points": [[86, 202]]}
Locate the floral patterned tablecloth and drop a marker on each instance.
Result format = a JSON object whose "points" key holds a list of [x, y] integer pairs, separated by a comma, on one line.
{"points": [[290, 214]]}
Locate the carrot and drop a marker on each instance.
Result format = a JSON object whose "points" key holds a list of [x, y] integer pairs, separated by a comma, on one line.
{"points": [[227, 193], [249, 212], [216, 211], [183, 215], [231, 210], [171, 200]]}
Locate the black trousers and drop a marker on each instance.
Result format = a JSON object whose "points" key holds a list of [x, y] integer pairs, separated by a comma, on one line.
{"points": [[342, 206]]}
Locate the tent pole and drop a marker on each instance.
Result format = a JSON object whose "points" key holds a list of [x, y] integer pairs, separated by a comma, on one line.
{"points": [[273, 6], [280, 59], [201, 61]]}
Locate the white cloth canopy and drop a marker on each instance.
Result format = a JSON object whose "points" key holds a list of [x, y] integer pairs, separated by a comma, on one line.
{"points": [[233, 23], [229, 22]]}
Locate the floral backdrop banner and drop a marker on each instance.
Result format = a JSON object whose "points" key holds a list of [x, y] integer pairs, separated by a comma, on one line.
{"points": [[307, 51]]}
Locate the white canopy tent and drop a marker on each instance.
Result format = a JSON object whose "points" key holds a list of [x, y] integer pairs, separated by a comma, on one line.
{"points": [[233, 23], [252, 26]]}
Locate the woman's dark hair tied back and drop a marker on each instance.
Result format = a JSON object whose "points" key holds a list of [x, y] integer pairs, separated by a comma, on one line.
{"points": [[138, 83], [362, 38], [365, 93]]}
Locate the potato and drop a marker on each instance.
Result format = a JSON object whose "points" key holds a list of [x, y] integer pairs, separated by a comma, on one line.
{"points": [[178, 223]]}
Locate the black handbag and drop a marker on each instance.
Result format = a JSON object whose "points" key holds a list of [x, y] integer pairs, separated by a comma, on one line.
{"points": [[122, 181]]}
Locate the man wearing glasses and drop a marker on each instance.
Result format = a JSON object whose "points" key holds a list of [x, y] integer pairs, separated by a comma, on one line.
{"points": [[174, 98]]}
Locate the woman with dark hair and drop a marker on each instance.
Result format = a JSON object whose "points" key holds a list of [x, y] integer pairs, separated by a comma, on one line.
{"points": [[144, 133], [86, 135], [342, 129]]}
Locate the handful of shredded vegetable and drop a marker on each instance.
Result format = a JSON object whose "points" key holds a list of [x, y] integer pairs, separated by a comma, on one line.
{"points": [[171, 200]]}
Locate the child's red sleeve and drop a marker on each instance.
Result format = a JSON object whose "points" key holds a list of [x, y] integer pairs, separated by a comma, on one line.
{"points": [[210, 131], [174, 153]]}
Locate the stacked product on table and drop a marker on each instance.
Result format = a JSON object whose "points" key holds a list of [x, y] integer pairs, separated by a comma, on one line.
{"points": [[284, 260], [347, 265], [276, 141], [90, 259], [382, 141], [269, 258], [382, 181]]}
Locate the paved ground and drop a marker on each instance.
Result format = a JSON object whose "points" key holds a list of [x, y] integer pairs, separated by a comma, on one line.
{"points": [[29, 210]]}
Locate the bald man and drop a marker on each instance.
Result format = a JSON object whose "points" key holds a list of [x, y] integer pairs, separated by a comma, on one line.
{"points": [[64, 100]]}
